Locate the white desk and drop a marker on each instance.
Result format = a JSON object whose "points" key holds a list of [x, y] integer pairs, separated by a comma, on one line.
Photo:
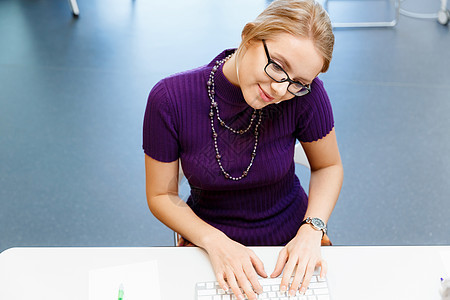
{"points": [[360, 273]]}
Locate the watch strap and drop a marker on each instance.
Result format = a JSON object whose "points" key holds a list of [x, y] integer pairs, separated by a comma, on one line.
{"points": [[308, 221]]}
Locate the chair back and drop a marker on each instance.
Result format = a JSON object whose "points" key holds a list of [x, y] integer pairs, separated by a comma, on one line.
{"points": [[300, 156]]}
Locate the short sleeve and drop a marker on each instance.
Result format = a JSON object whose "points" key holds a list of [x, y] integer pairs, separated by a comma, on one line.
{"points": [[160, 134], [315, 120]]}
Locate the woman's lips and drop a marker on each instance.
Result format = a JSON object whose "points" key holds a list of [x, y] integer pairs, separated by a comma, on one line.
{"points": [[264, 95]]}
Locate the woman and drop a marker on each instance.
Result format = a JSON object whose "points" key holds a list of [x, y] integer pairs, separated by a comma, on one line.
{"points": [[233, 124]]}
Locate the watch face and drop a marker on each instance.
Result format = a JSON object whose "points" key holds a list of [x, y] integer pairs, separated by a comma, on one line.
{"points": [[318, 223]]}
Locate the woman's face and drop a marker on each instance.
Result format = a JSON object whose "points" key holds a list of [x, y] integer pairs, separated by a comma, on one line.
{"points": [[297, 56]]}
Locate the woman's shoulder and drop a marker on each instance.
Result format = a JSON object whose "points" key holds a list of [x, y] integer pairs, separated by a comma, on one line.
{"points": [[184, 86], [178, 85], [317, 87], [318, 95], [302, 104], [181, 79], [314, 113]]}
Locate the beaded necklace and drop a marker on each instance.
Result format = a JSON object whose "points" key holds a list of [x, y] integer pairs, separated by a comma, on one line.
{"points": [[215, 107]]}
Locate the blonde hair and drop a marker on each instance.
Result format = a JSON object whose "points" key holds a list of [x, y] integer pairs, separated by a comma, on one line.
{"points": [[301, 18]]}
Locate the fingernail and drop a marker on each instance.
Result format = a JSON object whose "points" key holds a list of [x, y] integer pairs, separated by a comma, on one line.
{"points": [[283, 288], [302, 290], [292, 293], [241, 297]]}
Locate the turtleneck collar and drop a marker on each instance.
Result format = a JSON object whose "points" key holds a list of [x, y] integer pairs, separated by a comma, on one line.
{"points": [[224, 89]]}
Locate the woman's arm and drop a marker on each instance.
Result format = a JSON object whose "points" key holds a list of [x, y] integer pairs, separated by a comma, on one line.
{"points": [[166, 205], [303, 252], [327, 175], [231, 260]]}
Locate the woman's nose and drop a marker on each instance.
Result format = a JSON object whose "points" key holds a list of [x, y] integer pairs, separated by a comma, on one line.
{"points": [[280, 88]]}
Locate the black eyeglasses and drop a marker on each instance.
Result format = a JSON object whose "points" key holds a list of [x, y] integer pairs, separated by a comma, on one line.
{"points": [[278, 74]]}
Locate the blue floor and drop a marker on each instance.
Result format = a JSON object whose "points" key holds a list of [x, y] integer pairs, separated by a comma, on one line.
{"points": [[73, 94]]}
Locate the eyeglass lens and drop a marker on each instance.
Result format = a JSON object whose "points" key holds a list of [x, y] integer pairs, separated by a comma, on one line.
{"points": [[278, 74]]}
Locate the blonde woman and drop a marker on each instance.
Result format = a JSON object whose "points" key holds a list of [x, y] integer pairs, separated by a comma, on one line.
{"points": [[233, 123]]}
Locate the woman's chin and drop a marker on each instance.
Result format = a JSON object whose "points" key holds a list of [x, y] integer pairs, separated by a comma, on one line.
{"points": [[257, 103]]}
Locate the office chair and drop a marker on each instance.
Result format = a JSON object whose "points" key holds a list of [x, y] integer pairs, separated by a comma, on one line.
{"points": [[299, 158], [444, 14], [74, 7]]}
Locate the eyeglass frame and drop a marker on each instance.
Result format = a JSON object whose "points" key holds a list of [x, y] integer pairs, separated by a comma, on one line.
{"points": [[288, 79]]}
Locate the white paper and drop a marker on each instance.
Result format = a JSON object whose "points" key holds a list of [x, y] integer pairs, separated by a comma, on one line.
{"points": [[140, 282], [445, 256]]}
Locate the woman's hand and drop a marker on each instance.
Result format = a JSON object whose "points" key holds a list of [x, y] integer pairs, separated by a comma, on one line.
{"points": [[299, 258], [235, 266]]}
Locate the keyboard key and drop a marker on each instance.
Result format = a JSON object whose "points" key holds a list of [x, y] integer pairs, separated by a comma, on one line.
{"points": [[281, 294], [309, 292], [211, 292], [321, 291], [318, 285], [271, 281]]}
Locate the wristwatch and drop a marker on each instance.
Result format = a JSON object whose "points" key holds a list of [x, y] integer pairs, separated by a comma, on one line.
{"points": [[316, 223]]}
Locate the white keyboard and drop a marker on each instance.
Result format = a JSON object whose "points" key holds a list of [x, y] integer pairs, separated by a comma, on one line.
{"points": [[317, 290]]}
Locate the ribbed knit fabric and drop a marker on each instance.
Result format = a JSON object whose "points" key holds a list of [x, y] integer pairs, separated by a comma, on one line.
{"points": [[267, 206]]}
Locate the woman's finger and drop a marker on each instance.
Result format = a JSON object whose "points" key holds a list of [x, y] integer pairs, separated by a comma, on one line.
{"points": [[245, 284], [307, 277], [287, 273], [221, 280], [294, 284], [297, 276], [281, 261], [323, 268], [232, 283], [253, 278], [258, 264]]}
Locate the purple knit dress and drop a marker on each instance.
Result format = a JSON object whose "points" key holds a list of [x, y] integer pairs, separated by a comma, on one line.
{"points": [[267, 206]]}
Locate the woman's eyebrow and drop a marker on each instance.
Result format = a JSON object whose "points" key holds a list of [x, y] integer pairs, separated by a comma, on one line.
{"points": [[286, 62]]}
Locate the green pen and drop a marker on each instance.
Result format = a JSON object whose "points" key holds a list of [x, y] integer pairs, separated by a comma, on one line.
{"points": [[120, 292]]}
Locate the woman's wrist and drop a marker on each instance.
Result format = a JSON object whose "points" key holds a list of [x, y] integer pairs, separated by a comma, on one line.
{"points": [[307, 229], [211, 238]]}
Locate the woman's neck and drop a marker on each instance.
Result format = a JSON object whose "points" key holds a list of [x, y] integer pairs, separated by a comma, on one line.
{"points": [[230, 71]]}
